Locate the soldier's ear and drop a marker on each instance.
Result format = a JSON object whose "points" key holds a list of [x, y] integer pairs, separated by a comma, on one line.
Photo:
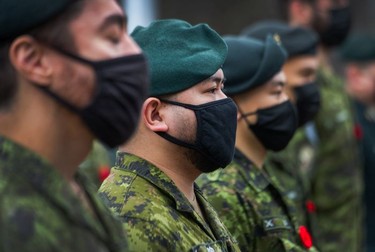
{"points": [[154, 115], [29, 59], [239, 116]]}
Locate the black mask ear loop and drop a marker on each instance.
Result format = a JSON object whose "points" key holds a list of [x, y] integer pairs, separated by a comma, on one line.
{"points": [[246, 115], [46, 90], [172, 138]]}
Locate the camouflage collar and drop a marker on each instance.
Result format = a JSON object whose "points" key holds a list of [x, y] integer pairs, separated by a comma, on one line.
{"points": [[254, 176], [151, 173], [20, 163], [326, 77]]}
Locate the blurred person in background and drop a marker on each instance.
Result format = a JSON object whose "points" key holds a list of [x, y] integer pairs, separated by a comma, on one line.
{"points": [[69, 74], [358, 52], [291, 167], [336, 178]]}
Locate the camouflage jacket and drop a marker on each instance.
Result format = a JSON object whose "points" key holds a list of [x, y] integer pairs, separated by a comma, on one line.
{"points": [[39, 211], [291, 169], [253, 210], [156, 215], [337, 183]]}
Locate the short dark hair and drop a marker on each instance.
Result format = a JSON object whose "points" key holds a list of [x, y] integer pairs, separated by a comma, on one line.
{"points": [[54, 32]]}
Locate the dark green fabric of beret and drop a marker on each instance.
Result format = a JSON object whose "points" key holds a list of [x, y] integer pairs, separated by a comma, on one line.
{"points": [[180, 55], [19, 16], [251, 62], [359, 48], [296, 40]]}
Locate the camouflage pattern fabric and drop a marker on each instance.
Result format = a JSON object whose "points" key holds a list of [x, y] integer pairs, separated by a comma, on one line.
{"points": [[291, 169], [337, 183], [252, 208], [156, 215], [40, 212]]}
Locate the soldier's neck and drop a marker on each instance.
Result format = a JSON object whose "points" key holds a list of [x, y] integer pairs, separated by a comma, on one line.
{"points": [[41, 125], [250, 146], [183, 175], [324, 58]]}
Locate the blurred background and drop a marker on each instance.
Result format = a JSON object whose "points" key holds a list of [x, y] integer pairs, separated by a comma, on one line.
{"points": [[230, 17]]}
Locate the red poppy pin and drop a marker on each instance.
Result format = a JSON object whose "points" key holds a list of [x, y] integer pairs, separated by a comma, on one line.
{"points": [[305, 237], [310, 206], [358, 131], [103, 172]]}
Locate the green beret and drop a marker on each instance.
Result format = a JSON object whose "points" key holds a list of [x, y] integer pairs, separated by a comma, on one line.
{"points": [[180, 55], [359, 48], [251, 62], [19, 16], [296, 40]]}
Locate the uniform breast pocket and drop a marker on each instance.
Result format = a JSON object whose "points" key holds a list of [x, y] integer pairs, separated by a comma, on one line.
{"points": [[276, 224], [277, 231], [217, 246]]}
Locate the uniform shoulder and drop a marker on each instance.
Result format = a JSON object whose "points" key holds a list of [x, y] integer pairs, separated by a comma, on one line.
{"points": [[129, 195]]}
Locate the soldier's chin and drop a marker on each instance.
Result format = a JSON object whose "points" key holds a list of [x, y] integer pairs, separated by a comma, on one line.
{"points": [[200, 162]]}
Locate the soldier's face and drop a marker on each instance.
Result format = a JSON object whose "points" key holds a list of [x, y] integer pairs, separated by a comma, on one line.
{"points": [[322, 11], [182, 122], [299, 71], [99, 33], [270, 94], [361, 83]]}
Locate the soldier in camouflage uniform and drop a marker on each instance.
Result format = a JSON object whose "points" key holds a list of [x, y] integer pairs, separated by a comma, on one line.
{"points": [[292, 166], [248, 201], [336, 177], [188, 127], [337, 182], [358, 52], [49, 118]]}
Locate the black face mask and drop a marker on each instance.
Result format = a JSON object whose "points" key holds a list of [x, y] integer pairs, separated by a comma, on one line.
{"points": [[276, 125], [308, 102], [216, 132], [121, 88], [336, 31]]}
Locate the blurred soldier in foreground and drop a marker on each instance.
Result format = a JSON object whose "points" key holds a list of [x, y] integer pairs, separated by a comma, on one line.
{"points": [[188, 127], [69, 74]]}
